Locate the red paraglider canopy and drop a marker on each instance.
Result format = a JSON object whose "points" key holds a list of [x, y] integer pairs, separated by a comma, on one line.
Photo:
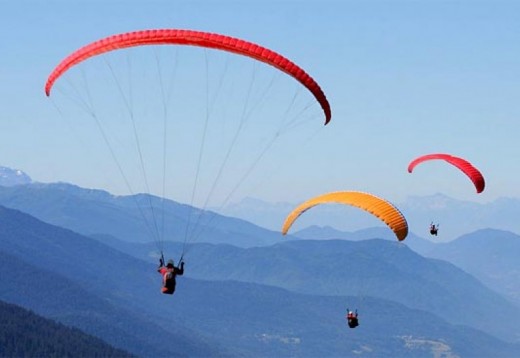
{"points": [[193, 38], [466, 167]]}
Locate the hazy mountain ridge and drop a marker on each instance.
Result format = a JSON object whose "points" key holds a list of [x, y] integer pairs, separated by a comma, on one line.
{"points": [[246, 318], [72, 201], [490, 255], [91, 212], [316, 232], [457, 217], [376, 268]]}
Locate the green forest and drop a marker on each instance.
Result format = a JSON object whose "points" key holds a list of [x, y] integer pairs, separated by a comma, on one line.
{"points": [[25, 334]]}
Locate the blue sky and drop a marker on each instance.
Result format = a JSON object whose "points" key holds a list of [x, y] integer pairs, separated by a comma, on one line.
{"points": [[404, 78]]}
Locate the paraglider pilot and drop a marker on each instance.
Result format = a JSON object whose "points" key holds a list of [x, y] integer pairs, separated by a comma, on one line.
{"points": [[352, 319], [433, 229], [169, 272]]}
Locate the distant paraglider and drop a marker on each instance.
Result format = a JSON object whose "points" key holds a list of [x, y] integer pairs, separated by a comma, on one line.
{"points": [[466, 167], [434, 229], [352, 318], [378, 207]]}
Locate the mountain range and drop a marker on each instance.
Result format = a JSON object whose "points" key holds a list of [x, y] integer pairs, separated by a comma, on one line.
{"points": [[87, 259], [110, 294], [131, 218], [137, 217], [488, 254], [375, 268]]}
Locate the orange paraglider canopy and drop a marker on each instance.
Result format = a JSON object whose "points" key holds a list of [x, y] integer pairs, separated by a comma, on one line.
{"points": [[378, 207]]}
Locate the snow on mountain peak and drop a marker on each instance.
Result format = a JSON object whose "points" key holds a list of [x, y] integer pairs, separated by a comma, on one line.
{"points": [[11, 177]]}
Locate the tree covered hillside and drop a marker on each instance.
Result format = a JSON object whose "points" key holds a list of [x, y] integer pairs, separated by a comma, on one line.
{"points": [[25, 334]]}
